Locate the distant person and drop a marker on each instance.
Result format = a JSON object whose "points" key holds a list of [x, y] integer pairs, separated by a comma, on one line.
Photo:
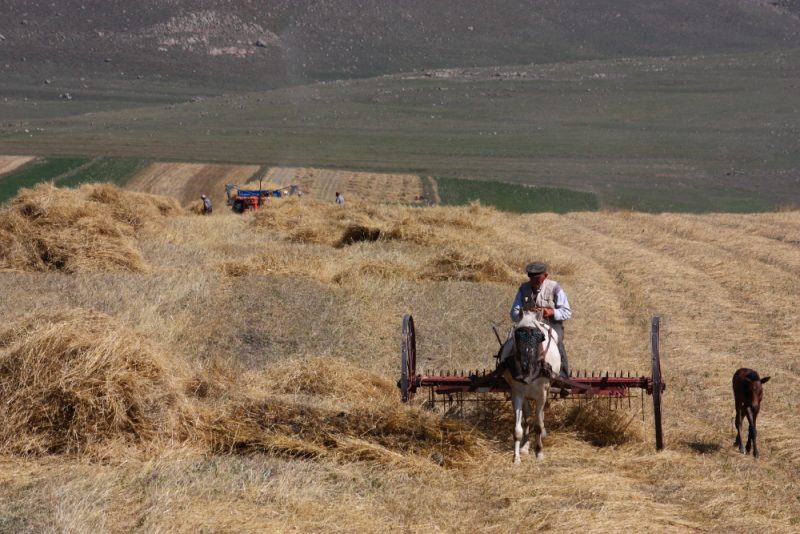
{"points": [[206, 205], [339, 198], [539, 293]]}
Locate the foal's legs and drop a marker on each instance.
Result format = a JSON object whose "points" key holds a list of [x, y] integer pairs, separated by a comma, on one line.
{"points": [[738, 423], [751, 432]]}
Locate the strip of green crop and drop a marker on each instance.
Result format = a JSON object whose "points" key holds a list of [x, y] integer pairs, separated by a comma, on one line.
{"points": [[515, 198], [39, 170], [112, 170]]}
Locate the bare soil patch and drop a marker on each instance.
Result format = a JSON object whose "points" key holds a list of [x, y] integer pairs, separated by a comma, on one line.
{"points": [[9, 163]]}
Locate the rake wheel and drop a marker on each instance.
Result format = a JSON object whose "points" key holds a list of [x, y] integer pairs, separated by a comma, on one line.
{"points": [[408, 358], [657, 383]]}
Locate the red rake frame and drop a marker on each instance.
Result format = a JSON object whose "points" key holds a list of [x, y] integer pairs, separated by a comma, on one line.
{"points": [[454, 388]]}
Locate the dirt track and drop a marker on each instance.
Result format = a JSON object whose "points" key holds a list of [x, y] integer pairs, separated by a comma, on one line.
{"points": [[9, 163], [187, 181]]}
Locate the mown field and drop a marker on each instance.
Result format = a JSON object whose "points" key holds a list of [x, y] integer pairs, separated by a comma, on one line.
{"points": [[696, 133], [185, 182], [169, 372]]}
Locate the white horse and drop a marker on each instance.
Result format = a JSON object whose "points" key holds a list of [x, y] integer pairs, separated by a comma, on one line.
{"points": [[531, 360]]}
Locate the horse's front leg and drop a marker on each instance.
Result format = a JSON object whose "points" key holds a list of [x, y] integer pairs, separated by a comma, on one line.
{"points": [[518, 401], [751, 432], [526, 427], [538, 425], [738, 423]]}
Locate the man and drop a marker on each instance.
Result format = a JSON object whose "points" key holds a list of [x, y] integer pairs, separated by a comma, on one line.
{"points": [[339, 198], [206, 205], [539, 292]]}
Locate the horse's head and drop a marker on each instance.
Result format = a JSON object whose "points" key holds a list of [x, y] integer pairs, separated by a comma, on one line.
{"points": [[528, 361], [748, 388]]}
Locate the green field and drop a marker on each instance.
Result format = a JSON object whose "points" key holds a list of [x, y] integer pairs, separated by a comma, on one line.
{"points": [[515, 198], [38, 170], [68, 172], [113, 170]]}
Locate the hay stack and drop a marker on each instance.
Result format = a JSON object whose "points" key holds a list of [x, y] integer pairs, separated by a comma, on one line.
{"points": [[381, 431], [325, 407], [313, 221], [92, 228], [77, 379], [452, 243]]}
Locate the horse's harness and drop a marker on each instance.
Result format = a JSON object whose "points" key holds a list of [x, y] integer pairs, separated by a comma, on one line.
{"points": [[528, 358]]}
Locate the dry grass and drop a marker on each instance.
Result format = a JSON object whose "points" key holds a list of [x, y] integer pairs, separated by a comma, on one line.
{"points": [[374, 188], [280, 331], [185, 182], [450, 243], [76, 379], [93, 228]]}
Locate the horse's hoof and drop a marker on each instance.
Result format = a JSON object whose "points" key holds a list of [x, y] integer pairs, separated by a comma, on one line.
{"points": [[540, 456], [544, 433], [525, 450], [517, 460]]}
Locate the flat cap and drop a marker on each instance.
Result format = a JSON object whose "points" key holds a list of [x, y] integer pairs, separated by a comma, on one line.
{"points": [[536, 267]]}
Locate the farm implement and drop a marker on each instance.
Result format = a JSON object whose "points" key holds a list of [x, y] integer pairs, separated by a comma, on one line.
{"points": [[244, 200], [454, 389]]}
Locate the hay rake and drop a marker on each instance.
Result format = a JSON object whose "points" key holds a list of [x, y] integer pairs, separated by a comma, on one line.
{"points": [[452, 390]]}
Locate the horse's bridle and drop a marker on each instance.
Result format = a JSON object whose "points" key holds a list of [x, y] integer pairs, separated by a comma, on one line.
{"points": [[527, 354]]}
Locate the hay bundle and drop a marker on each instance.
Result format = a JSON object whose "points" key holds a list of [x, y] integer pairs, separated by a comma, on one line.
{"points": [[195, 207], [77, 379], [376, 431], [386, 270], [92, 228], [312, 221], [596, 423], [470, 265], [330, 377], [280, 261], [326, 408]]}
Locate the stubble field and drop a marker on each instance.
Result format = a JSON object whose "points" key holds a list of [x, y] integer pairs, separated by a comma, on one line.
{"points": [[260, 354]]}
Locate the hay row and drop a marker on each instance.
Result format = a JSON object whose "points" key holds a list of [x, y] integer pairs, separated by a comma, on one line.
{"points": [[321, 184], [78, 381], [457, 243]]}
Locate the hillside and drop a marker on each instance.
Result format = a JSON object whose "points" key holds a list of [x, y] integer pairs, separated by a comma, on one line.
{"points": [[258, 355], [160, 48], [682, 133]]}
